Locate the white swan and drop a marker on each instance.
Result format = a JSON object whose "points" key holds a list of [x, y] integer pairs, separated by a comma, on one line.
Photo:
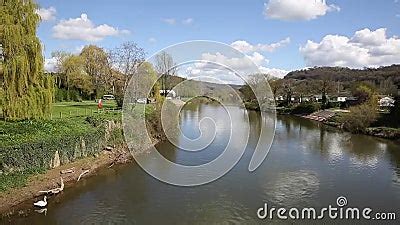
{"points": [[41, 203]]}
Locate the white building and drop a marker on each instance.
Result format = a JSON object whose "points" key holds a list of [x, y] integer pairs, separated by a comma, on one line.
{"points": [[386, 102], [168, 93]]}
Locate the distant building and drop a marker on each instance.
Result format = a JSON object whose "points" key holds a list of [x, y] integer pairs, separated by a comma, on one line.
{"points": [[168, 93], [386, 102], [339, 99], [280, 98]]}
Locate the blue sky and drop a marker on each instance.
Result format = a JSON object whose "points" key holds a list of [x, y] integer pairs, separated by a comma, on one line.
{"points": [[156, 24]]}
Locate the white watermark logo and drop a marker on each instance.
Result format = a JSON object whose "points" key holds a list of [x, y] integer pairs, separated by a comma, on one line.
{"points": [[203, 64], [339, 211]]}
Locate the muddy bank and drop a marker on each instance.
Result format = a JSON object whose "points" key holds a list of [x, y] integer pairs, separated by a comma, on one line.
{"points": [[11, 201]]}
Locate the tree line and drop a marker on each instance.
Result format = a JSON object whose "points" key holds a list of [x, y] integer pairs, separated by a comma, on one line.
{"points": [[95, 71]]}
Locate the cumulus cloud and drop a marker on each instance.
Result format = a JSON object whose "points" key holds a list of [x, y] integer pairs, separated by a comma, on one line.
{"points": [[238, 64], [47, 14], [246, 65], [83, 28], [274, 72], [365, 49], [246, 47], [293, 10], [188, 21]]}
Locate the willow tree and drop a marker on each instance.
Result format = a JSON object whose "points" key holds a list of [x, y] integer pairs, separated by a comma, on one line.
{"points": [[28, 92]]}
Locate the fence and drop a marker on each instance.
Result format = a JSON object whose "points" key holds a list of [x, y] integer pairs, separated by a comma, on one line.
{"points": [[81, 112]]}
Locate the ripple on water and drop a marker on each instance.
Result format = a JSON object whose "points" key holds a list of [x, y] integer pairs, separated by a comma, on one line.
{"points": [[292, 188]]}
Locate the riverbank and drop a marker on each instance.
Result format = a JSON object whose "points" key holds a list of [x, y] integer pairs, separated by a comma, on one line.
{"points": [[330, 119], [33, 154], [12, 202], [333, 118]]}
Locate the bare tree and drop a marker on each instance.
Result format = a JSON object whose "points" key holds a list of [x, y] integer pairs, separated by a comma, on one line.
{"points": [[165, 66], [124, 61], [127, 58]]}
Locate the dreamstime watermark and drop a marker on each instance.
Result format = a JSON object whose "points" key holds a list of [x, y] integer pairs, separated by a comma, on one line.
{"points": [[340, 211], [209, 62]]}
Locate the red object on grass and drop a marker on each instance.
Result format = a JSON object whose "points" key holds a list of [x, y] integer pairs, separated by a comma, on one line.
{"points": [[100, 105]]}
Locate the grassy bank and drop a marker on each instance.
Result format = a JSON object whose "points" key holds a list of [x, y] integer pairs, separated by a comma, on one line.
{"points": [[30, 147]]}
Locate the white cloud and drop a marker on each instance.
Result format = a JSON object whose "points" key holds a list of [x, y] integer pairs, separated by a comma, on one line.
{"points": [[83, 28], [50, 65], [293, 10], [188, 21], [365, 49], [246, 65], [246, 47], [170, 21], [238, 64], [274, 72], [47, 14]]}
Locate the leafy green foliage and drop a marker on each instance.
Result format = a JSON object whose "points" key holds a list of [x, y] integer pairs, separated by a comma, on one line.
{"points": [[28, 92], [359, 118]]}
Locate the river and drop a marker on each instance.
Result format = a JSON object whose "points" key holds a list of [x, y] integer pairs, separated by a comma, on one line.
{"points": [[309, 165]]}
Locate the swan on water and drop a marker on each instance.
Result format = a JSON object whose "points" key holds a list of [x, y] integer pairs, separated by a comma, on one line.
{"points": [[41, 203]]}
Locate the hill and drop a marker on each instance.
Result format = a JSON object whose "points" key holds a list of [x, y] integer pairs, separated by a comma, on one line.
{"points": [[375, 75]]}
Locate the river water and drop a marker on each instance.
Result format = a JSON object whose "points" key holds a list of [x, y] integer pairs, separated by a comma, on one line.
{"points": [[309, 165]]}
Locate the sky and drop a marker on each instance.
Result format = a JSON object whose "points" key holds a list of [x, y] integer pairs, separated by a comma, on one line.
{"points": [[278, 35]]}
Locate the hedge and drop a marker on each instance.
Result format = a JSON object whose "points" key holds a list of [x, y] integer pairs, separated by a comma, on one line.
{"points": [[31, 145]]}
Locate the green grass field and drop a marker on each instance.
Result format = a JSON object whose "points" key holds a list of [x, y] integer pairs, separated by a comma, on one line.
{"points": [[85, 108]]}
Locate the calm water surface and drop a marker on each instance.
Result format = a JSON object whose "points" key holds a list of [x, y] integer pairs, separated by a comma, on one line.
{"points": [[309, 165]]}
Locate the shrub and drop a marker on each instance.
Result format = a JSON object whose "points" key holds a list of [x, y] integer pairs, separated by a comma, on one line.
{"points": [[306, 108], [359, 118]]}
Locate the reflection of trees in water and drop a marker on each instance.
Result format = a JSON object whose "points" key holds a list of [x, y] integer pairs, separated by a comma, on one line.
{"points": [[334, 145]]}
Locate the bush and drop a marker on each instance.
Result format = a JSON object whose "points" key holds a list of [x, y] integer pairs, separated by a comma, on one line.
{"points": [[306, 108], [63, 95], [359, 118], [60, 95]]}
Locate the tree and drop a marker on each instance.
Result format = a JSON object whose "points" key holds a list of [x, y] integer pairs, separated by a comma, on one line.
{"points": [[146, 80], [76, 76], [364, 92], [362, 116], [288, 89], [276, 86], [325, 87], [387, 87], [165, 66], [28, 92], [125, 59], [59, 57], [95, 65]]}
